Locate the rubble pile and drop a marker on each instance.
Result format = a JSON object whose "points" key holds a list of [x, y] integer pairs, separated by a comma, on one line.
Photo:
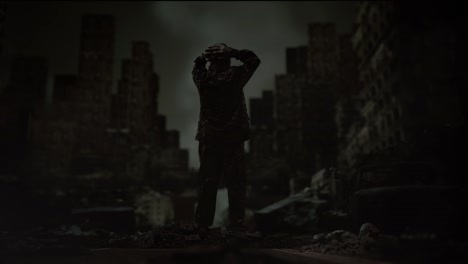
{"points": [[368, 243], [168, 236], [74, 238], [281, 241], [338, 242], [371, 243], [179, 236]]}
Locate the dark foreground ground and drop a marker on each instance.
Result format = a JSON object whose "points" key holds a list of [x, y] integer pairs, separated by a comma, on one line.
{"points": [[177, 244], [191, 255], [438, 234]]}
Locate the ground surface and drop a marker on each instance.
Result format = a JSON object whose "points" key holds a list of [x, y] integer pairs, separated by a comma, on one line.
{"points": [[179, 244]]}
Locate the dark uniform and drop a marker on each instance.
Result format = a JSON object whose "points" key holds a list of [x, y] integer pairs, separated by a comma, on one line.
{"points": [[222, 129]]}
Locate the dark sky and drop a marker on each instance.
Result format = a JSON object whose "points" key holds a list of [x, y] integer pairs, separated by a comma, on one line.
{"points": [[178, 32]]}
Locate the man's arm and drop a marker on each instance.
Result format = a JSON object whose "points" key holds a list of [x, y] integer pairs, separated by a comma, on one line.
{"points": [[250, 61], [248, 57], [199, 71]]}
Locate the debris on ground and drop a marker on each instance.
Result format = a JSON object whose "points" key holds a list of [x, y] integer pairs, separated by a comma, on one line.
{"points": [[338, 242]]}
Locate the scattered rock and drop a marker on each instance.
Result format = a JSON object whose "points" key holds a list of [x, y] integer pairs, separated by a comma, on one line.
{"points": [[320, 237], [338, 242], [335, 235], [368, 235]]}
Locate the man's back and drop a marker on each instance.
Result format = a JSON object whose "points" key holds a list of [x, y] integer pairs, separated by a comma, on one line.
{"points": [[223, 112], [222, 130]]}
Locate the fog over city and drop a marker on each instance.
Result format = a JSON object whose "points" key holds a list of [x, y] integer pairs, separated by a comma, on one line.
{"points": [[177, 32]]}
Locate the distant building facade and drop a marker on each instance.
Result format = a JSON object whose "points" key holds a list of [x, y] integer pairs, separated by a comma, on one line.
{"points": [[3, 15], [21, 101], [304, 125], [92, 96], [407, 69], [261, 142], [289, 110], [89, 131]]}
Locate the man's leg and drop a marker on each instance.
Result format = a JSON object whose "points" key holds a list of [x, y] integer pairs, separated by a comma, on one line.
{"points": [[210, 170], [236, 183]]}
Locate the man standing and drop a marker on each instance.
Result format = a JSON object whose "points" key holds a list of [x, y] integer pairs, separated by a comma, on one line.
{"points": [[222, 129]]}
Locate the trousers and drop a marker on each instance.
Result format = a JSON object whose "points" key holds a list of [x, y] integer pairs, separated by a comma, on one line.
{"points": [[226, 161]]}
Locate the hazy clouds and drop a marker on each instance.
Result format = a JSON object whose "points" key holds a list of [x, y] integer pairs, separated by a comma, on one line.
{"points": [[178, 32], [267, 28]]}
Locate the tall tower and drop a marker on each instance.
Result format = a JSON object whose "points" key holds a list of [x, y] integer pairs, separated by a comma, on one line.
{"points": [[134, 126], [320, 96], [135, 104], [23, 100], [262, 125], [96, 58], [3, 9]]}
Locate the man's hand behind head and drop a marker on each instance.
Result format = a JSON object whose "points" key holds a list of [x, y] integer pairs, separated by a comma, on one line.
{"points": [[218, 51]]}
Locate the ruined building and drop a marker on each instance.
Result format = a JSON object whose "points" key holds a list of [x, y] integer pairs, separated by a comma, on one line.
{"points": [[20, 101], [52, 132], [70, 138], [268, 174], [305, 114], [135, 103], [288, 109], [410, 72], [320, 97], [320, 82], [379, 107], [90, 133], [28, 79], [169, 165], [262, 125], [133, 120], [3, 14], [303, 132], [348, 105], [92, 98], [141, 146]]}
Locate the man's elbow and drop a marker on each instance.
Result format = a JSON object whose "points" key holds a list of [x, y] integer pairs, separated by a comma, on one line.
{"points": [[255, 62], [254, 57]]}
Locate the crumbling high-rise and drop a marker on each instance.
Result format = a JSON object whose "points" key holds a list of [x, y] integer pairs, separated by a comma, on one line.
{"points": [[409, 72], [94, 87]]}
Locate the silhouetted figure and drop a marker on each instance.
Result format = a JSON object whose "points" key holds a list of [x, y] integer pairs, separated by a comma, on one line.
{"points": [[222, 129]]}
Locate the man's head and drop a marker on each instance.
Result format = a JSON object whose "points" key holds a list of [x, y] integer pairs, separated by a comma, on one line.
{"points": [[217, 56]]}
